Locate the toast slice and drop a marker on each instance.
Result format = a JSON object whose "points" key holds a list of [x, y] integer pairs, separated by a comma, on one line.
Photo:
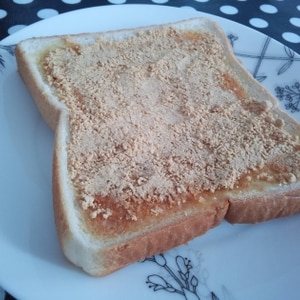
{"points": [[160, 134]]}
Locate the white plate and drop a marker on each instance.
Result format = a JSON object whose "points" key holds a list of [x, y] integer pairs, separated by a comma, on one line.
{"points": [[242, 262]]}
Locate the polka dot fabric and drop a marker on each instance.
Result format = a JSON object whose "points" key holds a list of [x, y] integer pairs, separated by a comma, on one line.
{"points": [[279, 19]]}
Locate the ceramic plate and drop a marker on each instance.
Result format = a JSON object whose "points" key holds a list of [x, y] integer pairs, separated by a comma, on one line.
{"points": [[241, 262]]}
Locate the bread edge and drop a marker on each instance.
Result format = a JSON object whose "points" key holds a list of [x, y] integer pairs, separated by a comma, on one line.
{"points": [[275, 202]]}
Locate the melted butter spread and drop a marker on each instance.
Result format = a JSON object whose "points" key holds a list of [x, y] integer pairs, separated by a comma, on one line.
{"points": [[161, 115]]}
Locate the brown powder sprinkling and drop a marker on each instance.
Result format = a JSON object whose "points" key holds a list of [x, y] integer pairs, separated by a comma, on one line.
{"points": [[158, 115]]}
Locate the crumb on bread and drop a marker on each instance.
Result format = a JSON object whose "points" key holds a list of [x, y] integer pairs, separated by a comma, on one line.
{"points": [[159, 116]]}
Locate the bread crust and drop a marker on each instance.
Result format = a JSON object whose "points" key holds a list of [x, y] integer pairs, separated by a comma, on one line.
{"points": [[50, 109], [264, 206], [163, 239], [100, 258]]}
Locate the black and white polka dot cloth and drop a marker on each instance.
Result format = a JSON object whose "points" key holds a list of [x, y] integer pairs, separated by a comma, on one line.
{"points": [[280, 19]]}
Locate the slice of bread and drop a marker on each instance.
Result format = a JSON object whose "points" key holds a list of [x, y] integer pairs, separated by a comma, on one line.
{"points": [[160, 134]]}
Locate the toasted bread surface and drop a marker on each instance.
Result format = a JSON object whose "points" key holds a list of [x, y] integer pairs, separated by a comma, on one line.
{"points": [[160, 135]]}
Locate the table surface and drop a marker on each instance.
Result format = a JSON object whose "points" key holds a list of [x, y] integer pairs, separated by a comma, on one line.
{"points": [[279, 19]]}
